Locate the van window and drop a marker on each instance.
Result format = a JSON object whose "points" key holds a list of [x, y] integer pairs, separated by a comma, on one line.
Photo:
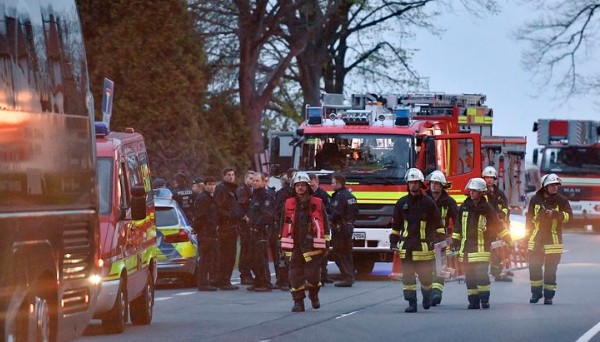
{"points": [[123, 187], [105, 179], [135, 177]]}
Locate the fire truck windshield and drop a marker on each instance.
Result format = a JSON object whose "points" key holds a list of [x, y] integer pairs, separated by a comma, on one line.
{"points": [[571, 160], [362, 158]]}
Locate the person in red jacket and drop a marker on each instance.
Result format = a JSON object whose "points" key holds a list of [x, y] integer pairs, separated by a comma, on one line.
{"points": [[304, 235]]}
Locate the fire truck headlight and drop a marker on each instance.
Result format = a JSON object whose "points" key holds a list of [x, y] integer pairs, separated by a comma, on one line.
{"points": [[517, 230]]}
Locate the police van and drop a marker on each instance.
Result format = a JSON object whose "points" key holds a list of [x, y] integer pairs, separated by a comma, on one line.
{"points": [[127, 229]]}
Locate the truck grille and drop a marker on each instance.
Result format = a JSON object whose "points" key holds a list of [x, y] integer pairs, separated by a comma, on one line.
{"points": [[77, 251], [374, 216], [75, 300]]}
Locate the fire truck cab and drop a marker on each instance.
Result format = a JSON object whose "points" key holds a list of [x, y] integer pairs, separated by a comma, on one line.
{"points": [[374, 140], [571, 149]]}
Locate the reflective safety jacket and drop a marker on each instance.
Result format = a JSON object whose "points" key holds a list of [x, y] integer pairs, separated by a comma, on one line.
{"points": [[448, 212], [304, 226], [497, 199], [478, 225], [545, 230], [416, 219]]}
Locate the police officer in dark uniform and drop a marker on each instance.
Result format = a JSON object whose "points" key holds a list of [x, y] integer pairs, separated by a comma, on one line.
{"points": [[230, 214], [205, 226], [416, 219], [260, 215], [326, 198], [183, 194], [344, 211], [281, 264], [244, 193]]}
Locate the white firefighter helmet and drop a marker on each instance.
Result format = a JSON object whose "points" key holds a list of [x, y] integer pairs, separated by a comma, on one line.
{"points": [[414, 174], [477, 184], [489, 171], [437, 176], [550, 178], [300, 177]]}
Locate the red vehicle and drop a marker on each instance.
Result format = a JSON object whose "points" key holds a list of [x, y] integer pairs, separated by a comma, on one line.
{"points": [[571, 149], [127, 230], [374, 140]]}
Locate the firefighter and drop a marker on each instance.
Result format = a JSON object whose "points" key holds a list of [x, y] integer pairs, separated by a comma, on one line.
{"points": [[326, 198], [183, 194], [260, 214], [415, 221], [497, 199], [304, 234], [244, 193], [475, 230], [230, 214], [205, 226], [344, 210], [547, 213], [279, 259], [448, 214]]}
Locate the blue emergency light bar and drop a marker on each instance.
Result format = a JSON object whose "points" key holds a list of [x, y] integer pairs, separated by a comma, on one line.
{"points": [[314, 115], [101, 128], [402, 116]]}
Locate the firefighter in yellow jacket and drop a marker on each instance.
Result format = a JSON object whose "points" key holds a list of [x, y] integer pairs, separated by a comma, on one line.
{"points": [[304, 236], [416, 219], [478, 225], [548, 211]]}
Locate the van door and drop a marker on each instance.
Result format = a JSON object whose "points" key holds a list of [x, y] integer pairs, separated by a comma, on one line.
{"points": [[457, 156]]}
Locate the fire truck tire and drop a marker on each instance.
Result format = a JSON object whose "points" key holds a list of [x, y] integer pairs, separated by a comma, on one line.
{"points": [[364, 266], [142, 307], [596, 227]]}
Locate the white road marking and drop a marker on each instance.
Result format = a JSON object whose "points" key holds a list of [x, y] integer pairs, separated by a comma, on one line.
{"points": [[162, 298], [347, 314], [589, 334], [185, 293]]}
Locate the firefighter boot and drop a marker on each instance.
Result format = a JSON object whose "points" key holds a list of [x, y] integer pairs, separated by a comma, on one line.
{"points": [[485, 302], [426, 299], [298, 297], [412, 306], [548, 295], [436, 297], [313, 294], [473, 302], [536, 295]]}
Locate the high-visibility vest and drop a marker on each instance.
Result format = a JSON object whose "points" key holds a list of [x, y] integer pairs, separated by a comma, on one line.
{"points": [[316, 222]]}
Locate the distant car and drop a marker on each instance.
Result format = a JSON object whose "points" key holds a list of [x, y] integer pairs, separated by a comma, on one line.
{"points": [[178, 255]]}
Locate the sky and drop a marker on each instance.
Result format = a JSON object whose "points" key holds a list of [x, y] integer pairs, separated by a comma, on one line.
{"points": [[478, 55]]}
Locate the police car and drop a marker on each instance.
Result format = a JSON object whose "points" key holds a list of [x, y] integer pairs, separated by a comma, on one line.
{"points": [[178, 255]]}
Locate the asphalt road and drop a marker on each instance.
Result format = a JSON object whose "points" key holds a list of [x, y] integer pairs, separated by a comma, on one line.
{"points": [[373, 310]]}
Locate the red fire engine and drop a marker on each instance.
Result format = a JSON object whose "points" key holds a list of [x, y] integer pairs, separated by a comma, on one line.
{"points": [[571, 149], [375, 139]]}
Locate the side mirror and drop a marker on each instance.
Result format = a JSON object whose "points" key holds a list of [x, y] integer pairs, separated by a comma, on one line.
{"points": [[138, 203], [535, 156]]}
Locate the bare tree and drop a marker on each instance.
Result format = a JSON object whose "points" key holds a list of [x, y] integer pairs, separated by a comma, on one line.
{"points": [[560, 42]]}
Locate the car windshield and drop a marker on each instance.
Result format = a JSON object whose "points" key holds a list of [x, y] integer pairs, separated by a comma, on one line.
{"points": [[361, 158], [105, 184], [571, 160], [166, 216]]}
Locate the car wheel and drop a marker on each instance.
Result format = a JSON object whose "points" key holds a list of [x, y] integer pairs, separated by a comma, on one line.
{"points": [[116, 319], [142, 307]]}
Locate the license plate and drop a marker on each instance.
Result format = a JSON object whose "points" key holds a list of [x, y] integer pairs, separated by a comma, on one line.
{"points": [[359, 236]]}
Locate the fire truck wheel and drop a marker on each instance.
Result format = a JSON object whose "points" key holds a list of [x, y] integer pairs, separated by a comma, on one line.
{"points": [[364, 267]]}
